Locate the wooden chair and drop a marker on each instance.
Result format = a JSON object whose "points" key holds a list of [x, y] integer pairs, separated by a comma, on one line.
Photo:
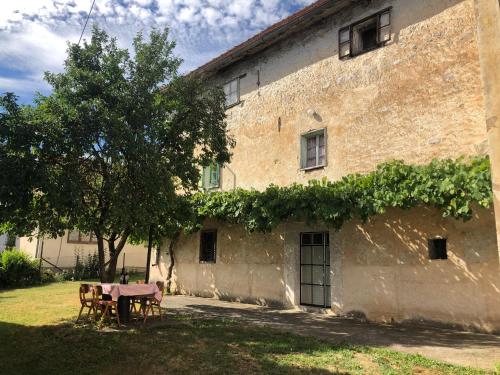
{"points": [[86, 301], [137, 300], [106, 307], [152, 302]]}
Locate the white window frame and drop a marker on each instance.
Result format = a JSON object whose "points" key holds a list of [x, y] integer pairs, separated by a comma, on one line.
{"points": [[303, 148]]}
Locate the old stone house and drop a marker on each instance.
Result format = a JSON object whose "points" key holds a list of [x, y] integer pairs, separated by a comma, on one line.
{"points": [[338, 88]]}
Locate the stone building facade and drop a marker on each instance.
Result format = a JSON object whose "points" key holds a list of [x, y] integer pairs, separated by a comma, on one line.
{"points": [[335, 89]]}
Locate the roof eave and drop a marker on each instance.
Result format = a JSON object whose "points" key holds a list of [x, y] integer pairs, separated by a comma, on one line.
{"points": [[290, 25]]}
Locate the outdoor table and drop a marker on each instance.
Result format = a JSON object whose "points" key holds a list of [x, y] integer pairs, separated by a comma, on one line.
{"points": [[123, 292]]}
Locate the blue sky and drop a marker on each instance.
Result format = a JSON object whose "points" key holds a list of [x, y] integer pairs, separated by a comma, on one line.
{"points": [[34, 33]]}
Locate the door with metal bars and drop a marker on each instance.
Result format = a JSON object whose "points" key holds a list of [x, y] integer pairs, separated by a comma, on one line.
{"points": [[315, 269]]}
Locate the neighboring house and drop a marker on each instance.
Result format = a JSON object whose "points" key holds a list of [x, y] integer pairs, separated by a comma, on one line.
{"points": [[338, 88], [62, 251]]}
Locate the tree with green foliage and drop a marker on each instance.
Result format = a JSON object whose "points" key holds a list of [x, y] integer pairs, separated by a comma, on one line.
{"points": [[19, 174], [115, 147]]}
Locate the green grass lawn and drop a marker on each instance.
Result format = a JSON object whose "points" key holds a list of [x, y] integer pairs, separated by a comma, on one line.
{"points": [[38, 336]]}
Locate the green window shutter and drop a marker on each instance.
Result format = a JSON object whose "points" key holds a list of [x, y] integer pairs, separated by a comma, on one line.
{"points": [[210, 176], [303, 151], [205, 177]]}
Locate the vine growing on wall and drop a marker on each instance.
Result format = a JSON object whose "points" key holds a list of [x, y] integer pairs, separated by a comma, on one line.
{"points": [[451, 186]]}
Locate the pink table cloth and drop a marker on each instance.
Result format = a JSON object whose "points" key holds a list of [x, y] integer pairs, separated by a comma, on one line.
{"points": [[131, 290]]}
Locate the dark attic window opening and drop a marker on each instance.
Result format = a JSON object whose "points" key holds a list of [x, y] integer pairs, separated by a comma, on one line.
{"points": [[437, 248], [369, 37]]}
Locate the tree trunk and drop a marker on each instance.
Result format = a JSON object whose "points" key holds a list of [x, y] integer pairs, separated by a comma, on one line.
{"points": [[109, 268], [102, 258], [111, 271], [172, 262], [148, 259]]}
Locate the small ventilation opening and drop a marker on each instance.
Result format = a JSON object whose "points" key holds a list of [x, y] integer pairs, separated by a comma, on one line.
{"points": [[437, 248]]}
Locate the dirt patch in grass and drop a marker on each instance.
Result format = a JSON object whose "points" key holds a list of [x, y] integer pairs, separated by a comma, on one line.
{"points": [[244, 360], [366, 362], [425, 371]]}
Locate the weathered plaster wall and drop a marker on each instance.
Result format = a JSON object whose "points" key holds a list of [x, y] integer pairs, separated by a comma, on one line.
{"points": [[415, 99], [248, 267], [380, 268], [62, 253], [387, 275], [488, 26]]}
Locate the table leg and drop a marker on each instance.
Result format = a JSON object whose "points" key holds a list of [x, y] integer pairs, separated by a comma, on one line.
{"points": [[124, 308]]}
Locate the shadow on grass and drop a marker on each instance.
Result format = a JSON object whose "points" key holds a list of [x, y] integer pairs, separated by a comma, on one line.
{"points": [[177, 346], [341, 330], [186, 344]]}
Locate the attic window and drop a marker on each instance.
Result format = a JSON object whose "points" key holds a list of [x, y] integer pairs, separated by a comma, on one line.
{"points": [[437, 248], [365, 35], [232, 92]]}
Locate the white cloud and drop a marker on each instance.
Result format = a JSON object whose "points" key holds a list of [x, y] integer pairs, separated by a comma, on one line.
{"points": [[211, 16], [263, 18], [33, 47], [241, 8], [33, 33], [188, 14], [23, 86]]}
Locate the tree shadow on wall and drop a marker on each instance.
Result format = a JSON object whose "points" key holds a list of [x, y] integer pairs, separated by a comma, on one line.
{"points": [[388, 269]]}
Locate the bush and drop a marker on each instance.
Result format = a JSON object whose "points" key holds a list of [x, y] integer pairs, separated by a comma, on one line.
{"points": [[64, 276], [48, 276], [87, 269], [91, 267], [78, 270], [11, 241], [17, 269]]}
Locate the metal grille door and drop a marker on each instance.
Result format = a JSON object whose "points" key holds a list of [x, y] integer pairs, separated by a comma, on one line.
{"points": [[315, 269]]}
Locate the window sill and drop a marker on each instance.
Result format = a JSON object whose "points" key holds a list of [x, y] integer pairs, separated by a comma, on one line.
{"points": [[359, 53], [207, 261], [233, 105], [307, 169]]}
